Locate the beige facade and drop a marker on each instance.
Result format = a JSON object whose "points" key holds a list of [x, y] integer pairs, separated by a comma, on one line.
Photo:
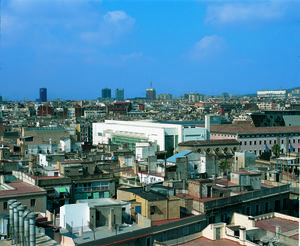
{"points": [[154, 209]]}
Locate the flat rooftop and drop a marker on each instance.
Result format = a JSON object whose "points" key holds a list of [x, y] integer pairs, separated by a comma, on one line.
{"points": [[101, 232], [288, 227], [41, 240], [99, 202]]}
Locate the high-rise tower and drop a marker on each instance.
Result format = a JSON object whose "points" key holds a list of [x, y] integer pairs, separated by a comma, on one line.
{"points": [[119, 94], [106, 93], [43, 94], [151, 93]]}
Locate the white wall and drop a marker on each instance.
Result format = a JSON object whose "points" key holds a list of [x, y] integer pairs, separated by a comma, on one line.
{"points": [[43, 160], [76, 215], [143, 150], [65, 145], [149, 179]]}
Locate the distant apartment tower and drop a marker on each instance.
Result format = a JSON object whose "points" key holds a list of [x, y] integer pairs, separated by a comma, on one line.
{"points": [[196, 97], [106, 93], [119, 94], [43, 94], [164, 97]]}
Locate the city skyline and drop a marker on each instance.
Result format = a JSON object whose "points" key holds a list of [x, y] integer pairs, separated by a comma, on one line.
{"points": [[76, 48]]}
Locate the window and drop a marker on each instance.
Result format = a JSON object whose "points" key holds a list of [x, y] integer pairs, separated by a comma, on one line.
{"points": [[265, 141], [32, 202], [270, 141], [248, 211], [186, 231], [285, 204], [260, 142], [250, 142], [152, 210], [245, 143], [197, 227], [195, 167], [254, 142], [4, 205]]}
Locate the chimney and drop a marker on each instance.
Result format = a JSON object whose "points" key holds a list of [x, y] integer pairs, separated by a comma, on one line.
{"points": [[242, 234], [278, 230], [136, 167], [21, 210], [50, 142], [207, 126], [26, 226], [2, 179], [32, 235], [16, 222], [252, 219], [11, 218], [111, 219]]}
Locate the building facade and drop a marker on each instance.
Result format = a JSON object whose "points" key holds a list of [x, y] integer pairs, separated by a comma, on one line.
{"points": [[278, 94], [260, 139], [166, 136]]}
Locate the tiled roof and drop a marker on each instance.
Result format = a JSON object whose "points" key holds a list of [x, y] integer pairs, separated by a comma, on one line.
{"points": [[209, 142], [21, 188], [206, 241], [178, 155], [231, 129], [271, 223]]}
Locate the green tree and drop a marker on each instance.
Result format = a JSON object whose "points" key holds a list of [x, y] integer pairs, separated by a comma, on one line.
{"points": [[276, 150], [223, 165], [265, 155]]}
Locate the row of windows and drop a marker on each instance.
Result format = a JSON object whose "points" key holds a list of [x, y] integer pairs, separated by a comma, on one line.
{"points": [[268, 135], [265, 142]]}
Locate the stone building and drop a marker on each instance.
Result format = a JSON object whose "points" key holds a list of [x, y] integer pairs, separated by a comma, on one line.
{"points": [[258, 139]]}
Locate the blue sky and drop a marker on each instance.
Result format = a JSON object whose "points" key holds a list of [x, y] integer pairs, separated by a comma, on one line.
{"points": [[76, 47]]}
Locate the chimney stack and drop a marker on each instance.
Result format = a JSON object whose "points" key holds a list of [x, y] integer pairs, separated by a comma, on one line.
{"points": [[21, 210], [11, 218], [16, 222], [32, 234], [207, 126]]}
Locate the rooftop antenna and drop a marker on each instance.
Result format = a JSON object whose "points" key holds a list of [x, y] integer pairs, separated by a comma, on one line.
{"points": [[150, 84], [280, 86]]}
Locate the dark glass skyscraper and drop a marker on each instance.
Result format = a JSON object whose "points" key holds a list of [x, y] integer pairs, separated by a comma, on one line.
{"points": [[106, 93], [43, 94]]}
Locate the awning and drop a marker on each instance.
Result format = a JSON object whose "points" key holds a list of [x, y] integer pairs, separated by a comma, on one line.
{"points": [[62, 189]]}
